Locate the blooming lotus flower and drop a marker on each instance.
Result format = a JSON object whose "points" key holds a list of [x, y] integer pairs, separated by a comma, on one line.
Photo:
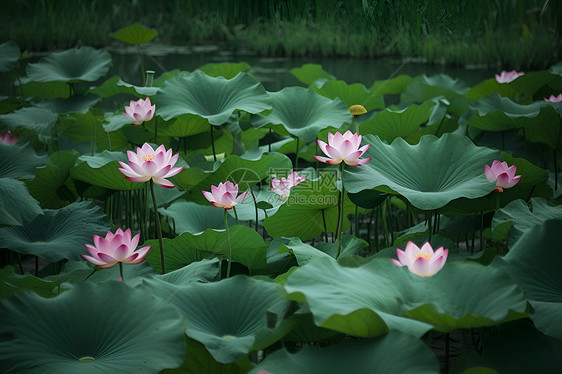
{"points": [[8, 138], [554, 99], [114, 248], [224, 196], [140, 111], [508, 76], [282, 187], [423, 262], [503, 174], [148, 164], [343, 148]]}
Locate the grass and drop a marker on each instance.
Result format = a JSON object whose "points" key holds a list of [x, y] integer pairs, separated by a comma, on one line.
{"points": [[518, 34]]}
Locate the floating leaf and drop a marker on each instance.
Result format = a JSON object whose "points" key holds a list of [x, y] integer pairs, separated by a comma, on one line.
{"points": [[73, 65], [392, 86], [135, 34], [303, 113], [308, 73], [90, 329], [16, 204], [58, 234], [9, 56], [214, 99], [424, 88], [428, 174], [224, 69], [353, 94]]}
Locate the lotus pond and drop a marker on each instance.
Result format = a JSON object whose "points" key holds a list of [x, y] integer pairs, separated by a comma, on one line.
{"points": [[206, 225]]}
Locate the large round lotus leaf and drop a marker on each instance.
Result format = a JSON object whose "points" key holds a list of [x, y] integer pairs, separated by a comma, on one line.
{"points": [[11, 283], [228, 328], [80, 270], [58, 234], [213, 98], [90, 329], [303, 113], [390, 124], [532, 82], [16, 204], [77, 64], [193, 218], [46, 90], [114, 86], [102, 170], [9, 56], [392, 86], [201, 271], [496, 113], [40, 121], [352, 94], [52, 186], [246, 171], [184, 125], [534, 262], [546, 127], [19, 161], [74, 104], [135, 34], [367, 300], [491, 86], [393, 353], [248, 248], [307, 206], [428, 174], [308, 73], [424, 88], [227, 70], [517, 216], [531, 176]]}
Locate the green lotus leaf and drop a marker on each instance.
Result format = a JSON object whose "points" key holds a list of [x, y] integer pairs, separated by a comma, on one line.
{"points": [[46, 90], [246, 171], [429, 174], [12, 283], [390, 124], [352, 94], [40, 121], [185, 125], [393, 353], [306, 253], [302, 113], [304, 212], [215, 316], [138, 90], [73, 65], [248, 248], [367, 300], [304, 330], [518, 216], [74, 104], [17, 206], [392, 86], [212, 98], [266, 199], [532, 82], [135, 34], [102, 170], [193, 218], [201, 271], [227, 70], [9, 56], [199, 360], [58, 234], [90, 329], [308, 73], [19, 161], [491, 86], [424, 88], [545, 128], [533, 261], [114, 86]]}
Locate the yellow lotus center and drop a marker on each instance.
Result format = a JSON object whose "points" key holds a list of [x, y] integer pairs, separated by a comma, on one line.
{"points": [[86, 359], [148, 157], [229, 337], [357, 110], [425, 256]]}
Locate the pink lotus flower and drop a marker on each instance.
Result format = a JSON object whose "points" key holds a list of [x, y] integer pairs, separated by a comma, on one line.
{"points": [[343, 148], [224, 196], [504, 175], [423, 262], [148, 164], [282, 187], [114, 248], [508, 76], [140, 111], [554, 99], [8, 138]]}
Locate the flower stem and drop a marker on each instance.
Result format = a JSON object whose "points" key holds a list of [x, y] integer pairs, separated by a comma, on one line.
{"points": [[92, 273], [158, 227], [229, 246], [340, 220], [121, 271], [497, 201], [255, 206], [213, 144]]}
